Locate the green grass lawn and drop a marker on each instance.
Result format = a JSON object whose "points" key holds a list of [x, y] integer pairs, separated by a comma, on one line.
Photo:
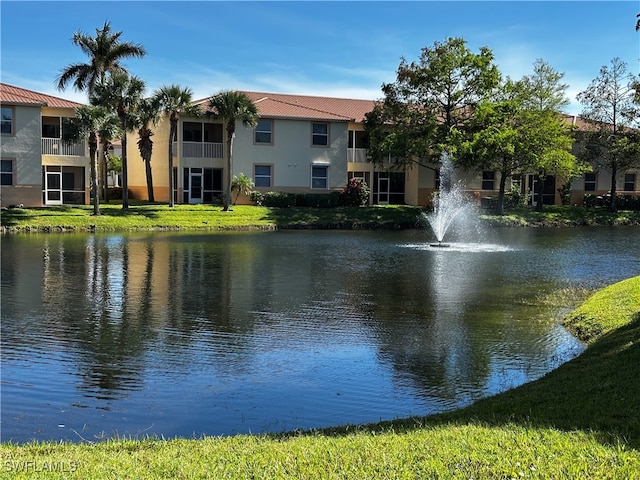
{"points": [[581, 420], [144, 216], [205, 217]]}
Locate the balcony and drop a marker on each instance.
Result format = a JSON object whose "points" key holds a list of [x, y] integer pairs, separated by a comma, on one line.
{"points": [[357, 155], [201, 150], [55, 146]]}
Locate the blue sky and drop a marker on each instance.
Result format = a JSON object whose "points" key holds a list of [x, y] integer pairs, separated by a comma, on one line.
{"points": [[335, 48]]}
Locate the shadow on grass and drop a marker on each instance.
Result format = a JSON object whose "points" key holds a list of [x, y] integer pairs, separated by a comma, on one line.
{"points": [[132, 212], [373, 217], [597, 392], [557, 215]]}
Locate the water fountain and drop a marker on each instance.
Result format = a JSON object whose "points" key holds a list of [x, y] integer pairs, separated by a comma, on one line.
{"points": [[449, 205]]}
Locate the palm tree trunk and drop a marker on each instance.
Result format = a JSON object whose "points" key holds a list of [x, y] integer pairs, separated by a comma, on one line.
{"points": [[227, 191], [147, 165], [105, 176], [93, 148], [172, 133], [125, 179]]}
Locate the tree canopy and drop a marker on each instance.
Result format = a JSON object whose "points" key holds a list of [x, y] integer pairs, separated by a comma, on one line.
{"points": [[610, 106], [431, 103], [175, 101], [121, 93], [231, 106], [105, 51]]}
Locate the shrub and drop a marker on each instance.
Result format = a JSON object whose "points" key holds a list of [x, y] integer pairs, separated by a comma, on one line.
{"points": [[356, 194], [278, 199], [319, 200], [515, 198], [565, 193], [115, 193], [257, 198], [282, 199], [625, 202]]}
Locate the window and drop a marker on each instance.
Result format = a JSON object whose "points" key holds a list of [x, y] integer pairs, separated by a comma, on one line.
{"points": [[213, 132], [589, 182], [364, 176], [200, 185], [388, 187], [262, 175], [319, 177], [516, 182], [202, 140], [320, 134], [6, 172], [629, 182], [6, 127], [488, 179], [263, 132], [359, 138], [51, 127], [192, 132]]}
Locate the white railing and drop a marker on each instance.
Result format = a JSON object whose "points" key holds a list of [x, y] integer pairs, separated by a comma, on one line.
{"points": [[358, 155], [202, 149], [55, 146]]}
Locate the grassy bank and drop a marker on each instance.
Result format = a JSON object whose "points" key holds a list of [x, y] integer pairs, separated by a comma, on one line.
{"points": [[580, 421], [562, 216], [207, 217], [204, 217]]}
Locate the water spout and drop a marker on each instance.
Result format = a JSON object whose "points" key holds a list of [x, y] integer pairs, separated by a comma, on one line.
{"points": [[449, 205]]}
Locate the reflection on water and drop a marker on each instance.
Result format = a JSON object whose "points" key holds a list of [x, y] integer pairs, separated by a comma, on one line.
{"points": [[190, 334]]}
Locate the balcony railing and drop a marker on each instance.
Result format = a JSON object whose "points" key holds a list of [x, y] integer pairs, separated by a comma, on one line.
{"points": [[201, 150], [55, 146], [358, 155]]}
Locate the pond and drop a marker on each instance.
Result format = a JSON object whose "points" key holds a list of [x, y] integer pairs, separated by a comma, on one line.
{"points": [[177, 334]]}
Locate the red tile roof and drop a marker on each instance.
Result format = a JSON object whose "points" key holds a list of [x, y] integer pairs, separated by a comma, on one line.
{"points": [[10, 95], [578, 122], [306, 107], [280, 105]]}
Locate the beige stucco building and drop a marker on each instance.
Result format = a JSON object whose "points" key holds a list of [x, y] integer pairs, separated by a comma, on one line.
{"points": [[38, 168], [301, 144]]}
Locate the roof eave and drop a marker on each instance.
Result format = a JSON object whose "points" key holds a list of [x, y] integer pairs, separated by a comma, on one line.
{"points": [[24, 104]]}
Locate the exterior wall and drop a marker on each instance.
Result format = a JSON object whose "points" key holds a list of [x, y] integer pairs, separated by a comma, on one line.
{"points": [[160, 162], [411, 181], [23, 147], [66, 160], [602, 185], [292, 155], [137, 178], [426, 185]]}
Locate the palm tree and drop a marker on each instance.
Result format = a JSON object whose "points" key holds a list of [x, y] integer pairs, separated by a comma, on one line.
{"points": [[231, 107], [242, 185], [175, 101], [122, 94], [88, 121], [108, 131], [146, 115], [105, 52]]}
